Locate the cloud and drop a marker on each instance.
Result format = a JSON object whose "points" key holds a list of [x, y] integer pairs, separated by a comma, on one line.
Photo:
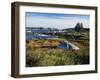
{"points": [[55, 21]]}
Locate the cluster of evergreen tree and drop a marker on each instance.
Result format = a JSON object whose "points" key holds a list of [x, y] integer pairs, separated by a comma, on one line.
{"points": [[79, 26]]}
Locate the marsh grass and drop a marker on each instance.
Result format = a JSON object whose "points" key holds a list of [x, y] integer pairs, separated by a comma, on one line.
{"points": [[56, 57]]}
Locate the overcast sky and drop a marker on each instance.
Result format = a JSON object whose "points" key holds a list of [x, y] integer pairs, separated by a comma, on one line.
{"points": [[52, 20]]}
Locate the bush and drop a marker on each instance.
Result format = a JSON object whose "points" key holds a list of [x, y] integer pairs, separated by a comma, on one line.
{"points": [[55, 57]]}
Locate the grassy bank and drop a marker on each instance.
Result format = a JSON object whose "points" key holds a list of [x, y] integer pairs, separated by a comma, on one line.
{"points": [[40, 53]]}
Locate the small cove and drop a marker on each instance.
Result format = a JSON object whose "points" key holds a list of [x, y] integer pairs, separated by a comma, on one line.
{"points": [[62, 44]]}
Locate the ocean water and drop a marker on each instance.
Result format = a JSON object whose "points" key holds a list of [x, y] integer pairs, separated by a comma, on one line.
{"points": [[38, 36]]}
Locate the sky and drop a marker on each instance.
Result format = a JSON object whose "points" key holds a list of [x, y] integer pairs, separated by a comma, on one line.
{"points": [[55, 20]]}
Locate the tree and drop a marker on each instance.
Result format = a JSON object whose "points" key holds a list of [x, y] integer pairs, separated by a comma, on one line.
{"points": [[79, 26]]}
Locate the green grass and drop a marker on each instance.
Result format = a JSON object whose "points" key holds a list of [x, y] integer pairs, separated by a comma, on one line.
{"points": [[56, 57], [52, 57]]}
